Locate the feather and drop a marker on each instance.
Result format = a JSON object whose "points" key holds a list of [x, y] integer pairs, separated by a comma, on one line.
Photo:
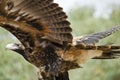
{"points": [[46, 40], [94, 38], [47, 13]]}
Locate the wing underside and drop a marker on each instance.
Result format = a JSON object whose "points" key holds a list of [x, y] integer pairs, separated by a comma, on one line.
{"points": [[43, 15]]}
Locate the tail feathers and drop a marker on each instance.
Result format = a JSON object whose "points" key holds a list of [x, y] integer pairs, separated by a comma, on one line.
{"points": [[80, 54], [94, 47], [109, 55], [109, 52]]}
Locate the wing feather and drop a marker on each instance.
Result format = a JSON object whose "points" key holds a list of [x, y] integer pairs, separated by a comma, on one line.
{"points": [[94, 38], [43, 14]]}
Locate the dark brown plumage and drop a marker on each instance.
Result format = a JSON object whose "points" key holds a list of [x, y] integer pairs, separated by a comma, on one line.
{"points": [[46, 40]]}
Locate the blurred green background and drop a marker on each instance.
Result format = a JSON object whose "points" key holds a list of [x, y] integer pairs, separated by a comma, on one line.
{"points": [[14, 67]]}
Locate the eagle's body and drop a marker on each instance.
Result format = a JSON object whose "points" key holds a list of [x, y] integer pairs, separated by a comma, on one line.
{"points": [[46, 39]]}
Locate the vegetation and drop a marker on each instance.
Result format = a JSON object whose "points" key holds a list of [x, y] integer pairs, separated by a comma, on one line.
{"points": [[14, 67], [84, 23]]}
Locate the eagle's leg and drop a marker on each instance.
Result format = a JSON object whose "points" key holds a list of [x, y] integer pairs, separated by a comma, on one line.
{"points": [[44, 76], [39, 75], [62, 76]]}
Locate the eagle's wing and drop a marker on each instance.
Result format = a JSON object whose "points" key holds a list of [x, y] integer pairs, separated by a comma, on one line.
{"points": [[84, 48], [32, 16], [94, 38]]}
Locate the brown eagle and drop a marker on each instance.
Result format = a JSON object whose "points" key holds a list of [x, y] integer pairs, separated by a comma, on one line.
{"points": [[46, 40]]}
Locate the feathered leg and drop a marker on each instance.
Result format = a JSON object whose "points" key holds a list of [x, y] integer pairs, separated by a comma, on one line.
{"points": [[62, 76], [44, 76]]}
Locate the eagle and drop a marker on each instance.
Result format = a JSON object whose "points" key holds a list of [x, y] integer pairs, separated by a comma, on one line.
{"points": [[46, 41]]}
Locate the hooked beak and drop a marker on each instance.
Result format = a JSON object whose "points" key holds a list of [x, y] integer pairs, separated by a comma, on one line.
{"points": [[11, 46]]}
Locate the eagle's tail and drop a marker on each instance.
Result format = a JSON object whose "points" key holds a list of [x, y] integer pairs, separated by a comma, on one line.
{"points": [[86, 44], [108, 51], [80, 53], [112, 54]]}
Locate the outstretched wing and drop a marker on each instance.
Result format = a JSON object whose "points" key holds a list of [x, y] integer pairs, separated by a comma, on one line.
{"points": [[36, 15], [94, 38], [85, 48]]}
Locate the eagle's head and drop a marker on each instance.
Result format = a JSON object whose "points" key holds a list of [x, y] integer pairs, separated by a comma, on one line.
{"points": [[16, 47]]}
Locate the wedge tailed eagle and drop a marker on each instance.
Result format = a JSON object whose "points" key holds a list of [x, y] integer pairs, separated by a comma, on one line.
{"points": [[46, 40]]}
